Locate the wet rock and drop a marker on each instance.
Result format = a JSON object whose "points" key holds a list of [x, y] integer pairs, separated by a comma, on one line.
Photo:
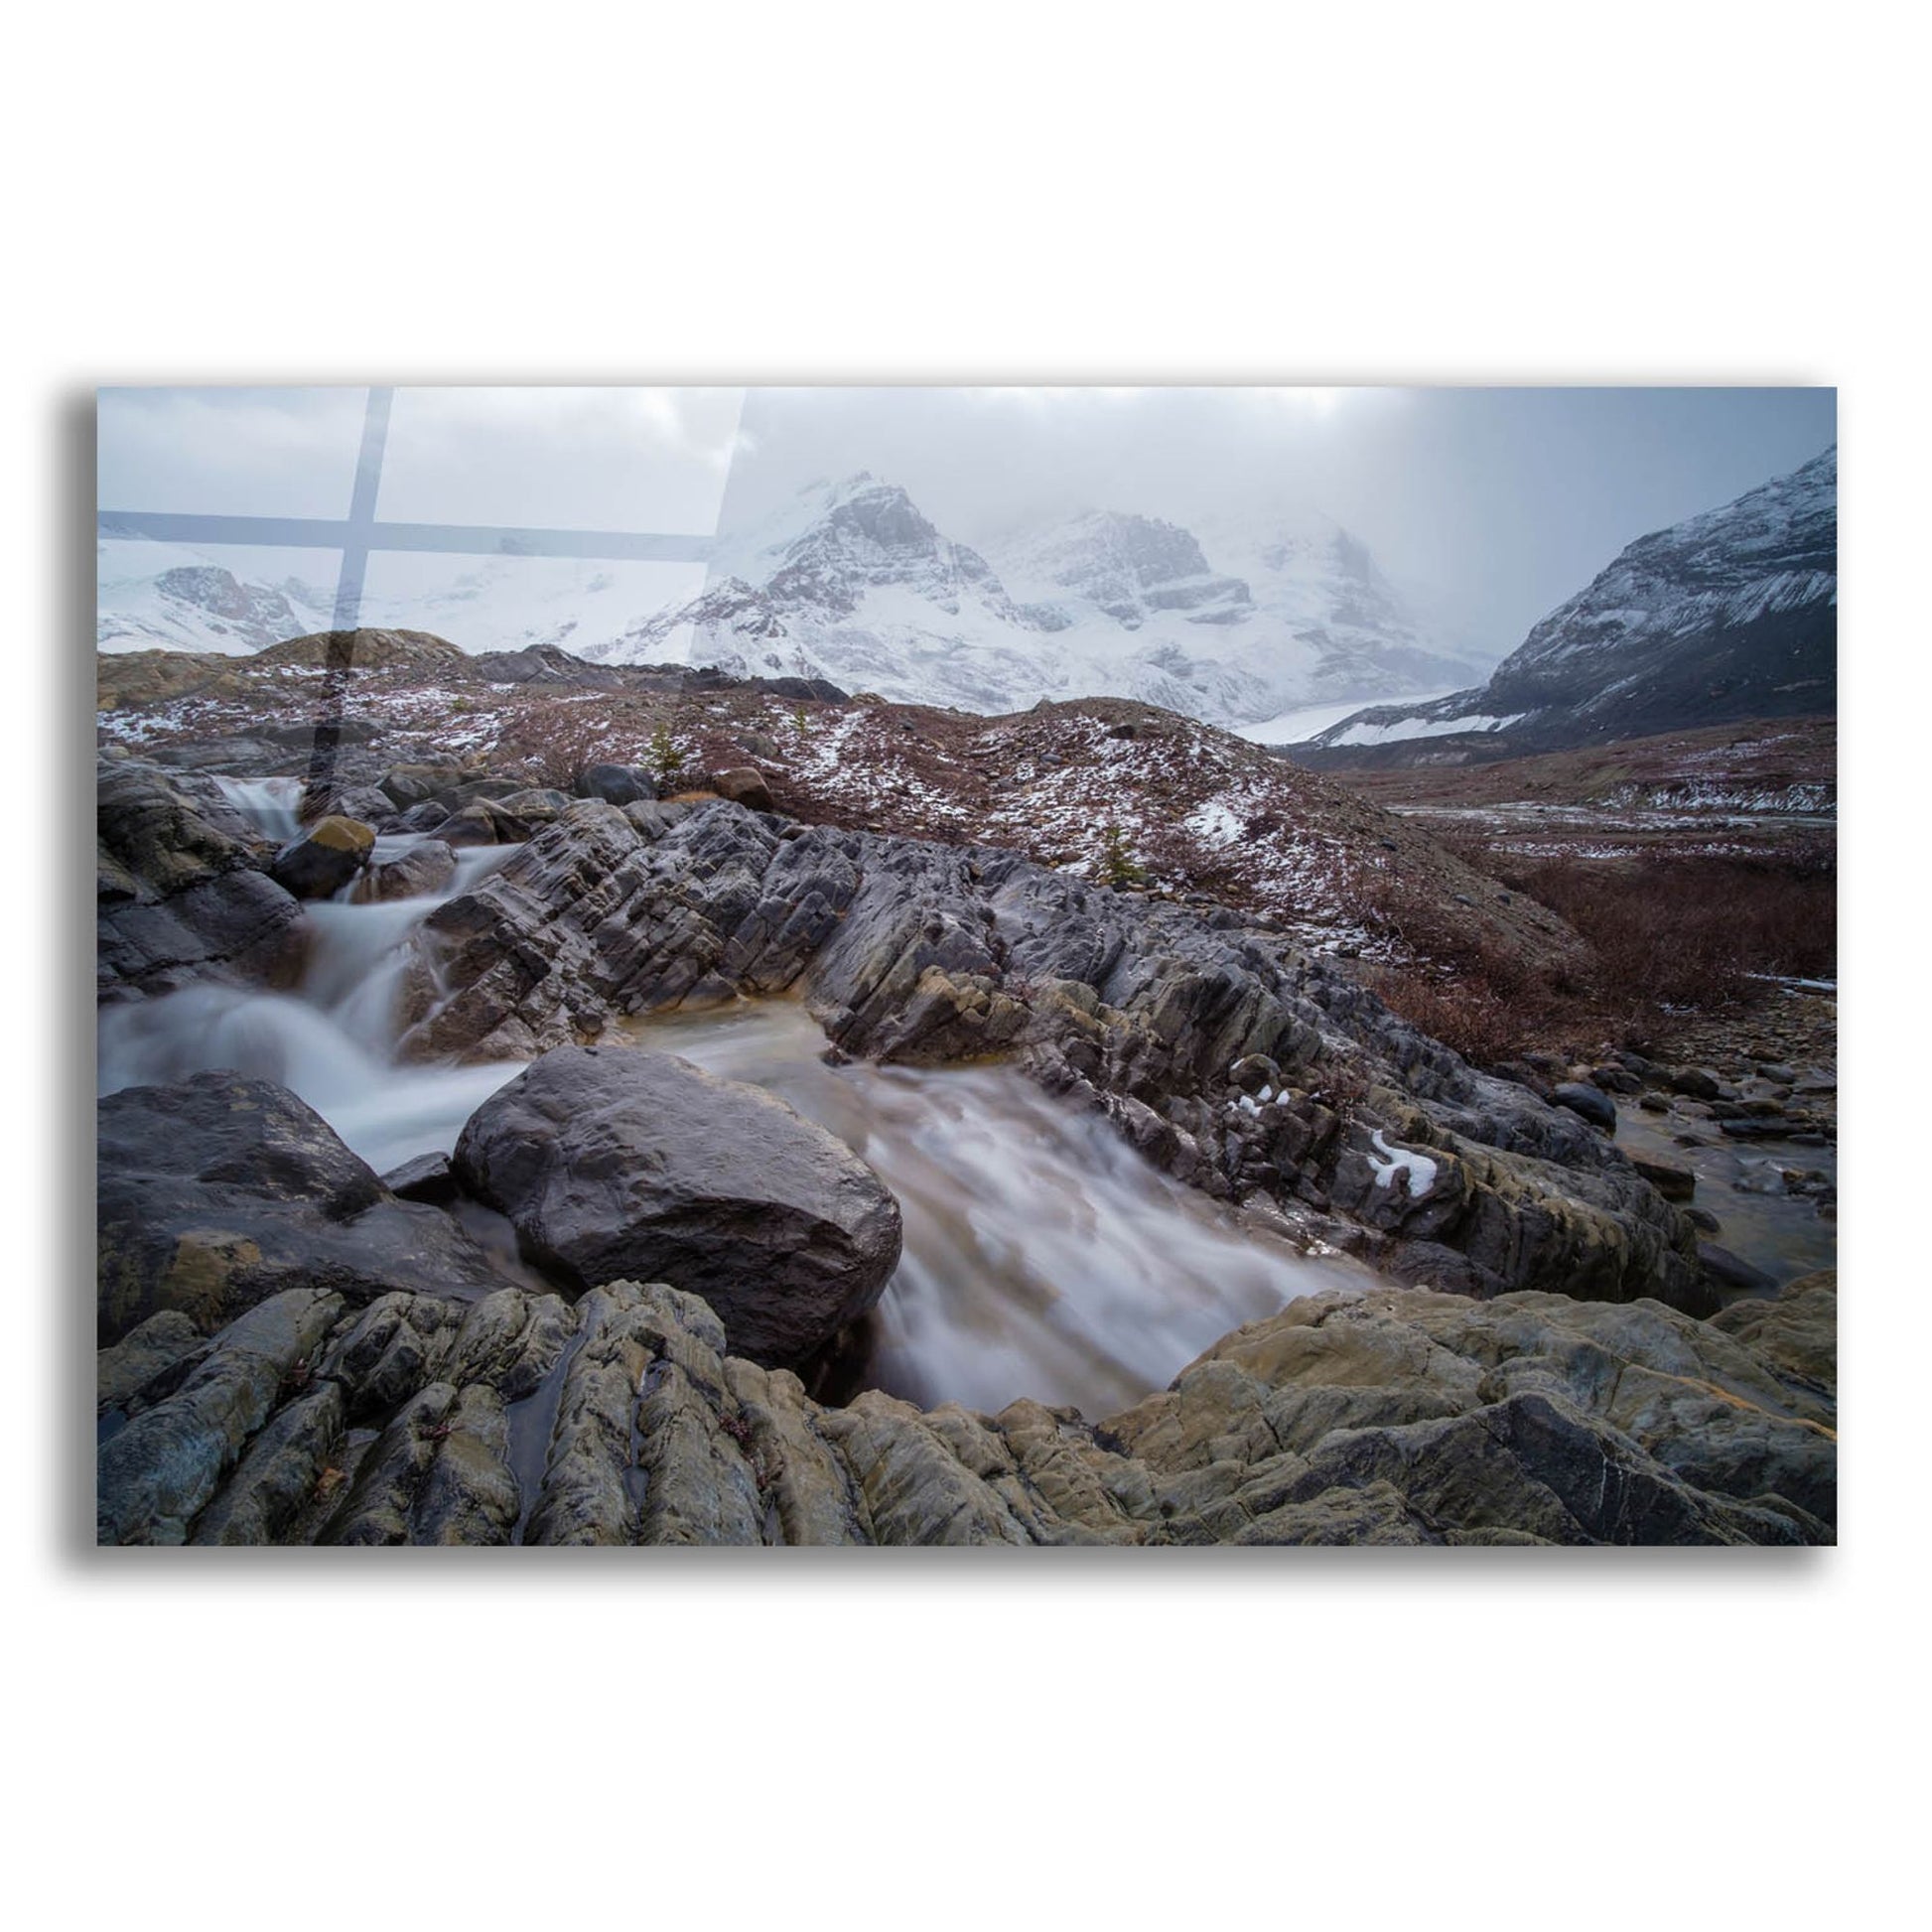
{"points": [[422, 869], [473, 825], [1795, 1335], [144, 1356], [591, 1488], [365, 804], [1674, 1182], [1730, 1272], [325, 858], [220, 1191], [379, 1505], [523, 811], [1589, 1101], [428, 1179], [468, 1495], [617, 1163], [916, 1490], [154, 1475], [389, 1350], [180, 900], [802, 1480], [279, 1472], [408, 785], [1696, 1081]]}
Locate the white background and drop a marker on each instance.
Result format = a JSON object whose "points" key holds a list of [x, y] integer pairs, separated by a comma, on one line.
{"points": [[1023, 193]]}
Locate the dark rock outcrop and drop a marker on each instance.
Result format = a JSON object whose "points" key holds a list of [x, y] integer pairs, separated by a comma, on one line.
{"points": [[613, 1162], [180, 898], [220, 1192]]}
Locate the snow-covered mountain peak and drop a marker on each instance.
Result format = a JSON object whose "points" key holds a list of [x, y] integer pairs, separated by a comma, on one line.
{"points": [[849, 578], [1118, 565], [1730, 614]]}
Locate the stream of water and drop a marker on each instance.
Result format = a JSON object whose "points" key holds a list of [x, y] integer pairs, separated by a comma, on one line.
{"points": [[1042, 1255], [1740, 1182]]}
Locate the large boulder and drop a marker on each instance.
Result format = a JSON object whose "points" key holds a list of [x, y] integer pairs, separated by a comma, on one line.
{"points": [[744, 785], [220, 1192], [616, 785], [617, 1163]]}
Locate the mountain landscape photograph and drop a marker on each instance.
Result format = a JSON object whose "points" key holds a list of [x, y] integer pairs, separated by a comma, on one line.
{"points": [[912, 967]]}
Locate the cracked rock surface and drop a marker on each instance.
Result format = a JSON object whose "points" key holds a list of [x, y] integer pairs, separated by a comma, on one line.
{"points": [[1402, 1417]]}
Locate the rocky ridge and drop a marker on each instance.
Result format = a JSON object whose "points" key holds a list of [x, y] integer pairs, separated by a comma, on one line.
{"points": [[1196, 808], [1730, 615]]}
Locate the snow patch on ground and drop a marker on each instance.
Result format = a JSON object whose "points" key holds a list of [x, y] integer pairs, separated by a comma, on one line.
{"points": [[1402, 728], [1214, 824], [1305, 721]]}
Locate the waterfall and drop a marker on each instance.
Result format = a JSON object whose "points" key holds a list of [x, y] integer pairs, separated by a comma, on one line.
{"points": [[271, 805], [332, 1039]]}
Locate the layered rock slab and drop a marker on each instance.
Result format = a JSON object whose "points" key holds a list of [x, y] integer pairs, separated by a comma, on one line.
{"points": [[1399, 1417]]}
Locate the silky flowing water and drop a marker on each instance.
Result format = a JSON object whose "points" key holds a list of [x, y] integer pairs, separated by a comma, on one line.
{"points": [[1042, 1255]]}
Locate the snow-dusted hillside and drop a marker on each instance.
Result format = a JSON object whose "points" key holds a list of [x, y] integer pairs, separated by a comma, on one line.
{"points": [[234, 599], [852, 582], [171, 597], [1732, 614]]}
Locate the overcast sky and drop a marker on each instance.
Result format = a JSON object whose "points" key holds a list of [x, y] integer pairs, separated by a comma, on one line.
{"points": [[1489, 507]]}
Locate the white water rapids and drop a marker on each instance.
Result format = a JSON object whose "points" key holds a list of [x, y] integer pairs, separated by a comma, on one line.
{"points": [[1044, 1257]]}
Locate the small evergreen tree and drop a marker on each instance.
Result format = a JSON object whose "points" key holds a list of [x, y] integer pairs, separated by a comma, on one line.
{"points": [[1116, 864], [665, 755]]}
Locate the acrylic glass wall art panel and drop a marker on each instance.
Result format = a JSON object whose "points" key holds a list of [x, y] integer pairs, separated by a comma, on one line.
{"points": [[1029, 965]]}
